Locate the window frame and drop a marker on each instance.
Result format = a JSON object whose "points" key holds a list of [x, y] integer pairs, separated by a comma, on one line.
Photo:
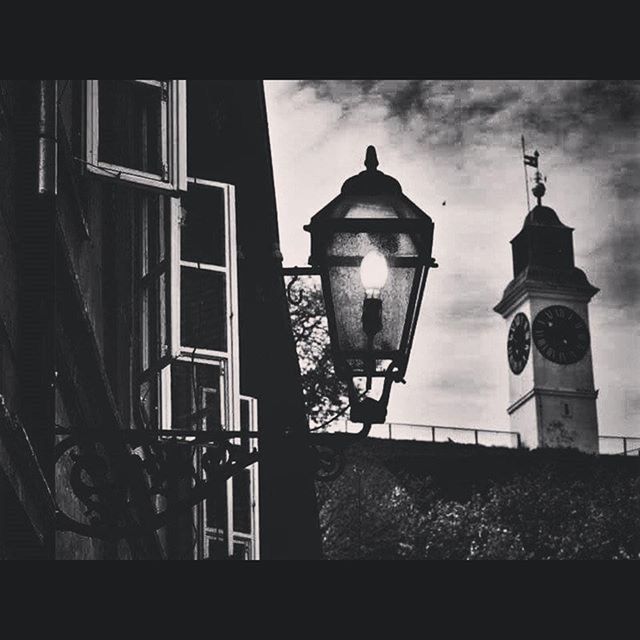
{"points": [[151, 369], [173, 125], [252, 539], [232, 354], [228, 361]]}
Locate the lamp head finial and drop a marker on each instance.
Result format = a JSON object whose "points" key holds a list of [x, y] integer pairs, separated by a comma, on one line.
{"points": [[371, 159]]}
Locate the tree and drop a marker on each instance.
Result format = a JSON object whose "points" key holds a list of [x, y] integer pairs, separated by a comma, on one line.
{"points": [[325, 395]]}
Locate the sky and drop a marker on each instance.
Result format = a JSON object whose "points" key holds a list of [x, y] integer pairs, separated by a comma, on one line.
{"points": [[458, 142]]}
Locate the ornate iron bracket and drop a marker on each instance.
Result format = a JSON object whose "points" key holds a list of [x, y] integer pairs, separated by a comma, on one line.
{"points": [[109, 471], [330, 450], [113, 474]]}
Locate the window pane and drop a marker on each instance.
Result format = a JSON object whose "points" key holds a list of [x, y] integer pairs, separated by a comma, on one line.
{"points": [[154, 294], [245, 422], [162, 315], [148, 405], [216, 508], [217, 549], [202, 234], [241, 550], [203, 317], [242, 502], [196, 389], [158, 211], [155, 336], [245, 415], [129, 117], [151, 230], [144, 325]]}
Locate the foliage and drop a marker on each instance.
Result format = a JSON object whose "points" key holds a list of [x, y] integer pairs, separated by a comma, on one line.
{"points": [[541, 517], [365, 515], [542, 513], [325, 395]]}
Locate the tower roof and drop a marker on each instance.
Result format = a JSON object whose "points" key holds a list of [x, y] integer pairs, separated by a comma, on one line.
{"points": [[541, 215]]}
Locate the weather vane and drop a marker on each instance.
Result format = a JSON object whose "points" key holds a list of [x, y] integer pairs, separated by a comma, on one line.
{"points": [[538, 189]]}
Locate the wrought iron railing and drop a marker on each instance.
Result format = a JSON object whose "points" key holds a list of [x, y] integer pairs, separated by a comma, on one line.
{"points": [[619, 445], [608, 445], [436, 433]]}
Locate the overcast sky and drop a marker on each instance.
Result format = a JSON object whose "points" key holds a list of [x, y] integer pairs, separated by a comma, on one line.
{"points": [[459, 142]]}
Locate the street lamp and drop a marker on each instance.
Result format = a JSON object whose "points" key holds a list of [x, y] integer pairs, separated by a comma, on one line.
{"points": [[372, 248]]}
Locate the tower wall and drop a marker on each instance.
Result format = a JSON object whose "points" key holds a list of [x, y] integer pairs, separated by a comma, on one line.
{"points": [[566, 420], [523, 420]]}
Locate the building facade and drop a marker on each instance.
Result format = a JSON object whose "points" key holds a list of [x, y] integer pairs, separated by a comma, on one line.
{"points": [[150, 300]]}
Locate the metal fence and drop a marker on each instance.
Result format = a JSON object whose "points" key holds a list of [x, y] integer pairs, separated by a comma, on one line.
{"points": [[435, 433], [619, 445], [611, 445]]}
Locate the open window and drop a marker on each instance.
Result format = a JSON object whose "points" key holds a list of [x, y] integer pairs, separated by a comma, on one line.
{"points": [[187, 300], [136, 131], [188, 347], [155, 318], [204, 311]]}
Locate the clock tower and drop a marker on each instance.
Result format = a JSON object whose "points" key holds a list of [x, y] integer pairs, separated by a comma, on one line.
{"points": [[552, 398]]}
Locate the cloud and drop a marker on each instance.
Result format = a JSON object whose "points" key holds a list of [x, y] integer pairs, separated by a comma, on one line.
{"points": [[624, 179], [446, 112]]}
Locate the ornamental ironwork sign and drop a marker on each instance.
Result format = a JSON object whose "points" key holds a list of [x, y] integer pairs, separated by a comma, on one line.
{"points": [[109, 472], [116, 474]]}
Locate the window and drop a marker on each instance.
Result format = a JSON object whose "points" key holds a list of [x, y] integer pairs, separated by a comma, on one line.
{"points": [[136, 131], [186, 297], [204, 317], [154, 317], [188, 346]]}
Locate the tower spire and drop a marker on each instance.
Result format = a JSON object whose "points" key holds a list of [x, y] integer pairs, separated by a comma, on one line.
{"points": [[526, 181], [538, 189]]}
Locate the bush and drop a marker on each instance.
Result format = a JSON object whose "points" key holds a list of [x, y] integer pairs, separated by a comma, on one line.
{"points": [[547, 511]]}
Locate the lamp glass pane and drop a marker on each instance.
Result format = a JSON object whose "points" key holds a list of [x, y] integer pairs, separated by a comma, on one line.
{"points": [[348, 296], [359, 244], [371, 210]]}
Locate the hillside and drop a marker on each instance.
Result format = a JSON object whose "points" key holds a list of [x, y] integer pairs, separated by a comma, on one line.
{"points": [[418, 500]]}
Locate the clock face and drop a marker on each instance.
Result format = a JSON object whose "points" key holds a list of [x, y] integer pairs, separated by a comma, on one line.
{"points": [[519, 343], [561, 335]]}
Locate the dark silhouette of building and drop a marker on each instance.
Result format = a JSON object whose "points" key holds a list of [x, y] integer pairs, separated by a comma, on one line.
{"points": [[142, 289]]}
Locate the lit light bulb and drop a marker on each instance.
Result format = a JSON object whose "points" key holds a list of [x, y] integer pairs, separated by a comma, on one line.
{"points": [[373, 272]]}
